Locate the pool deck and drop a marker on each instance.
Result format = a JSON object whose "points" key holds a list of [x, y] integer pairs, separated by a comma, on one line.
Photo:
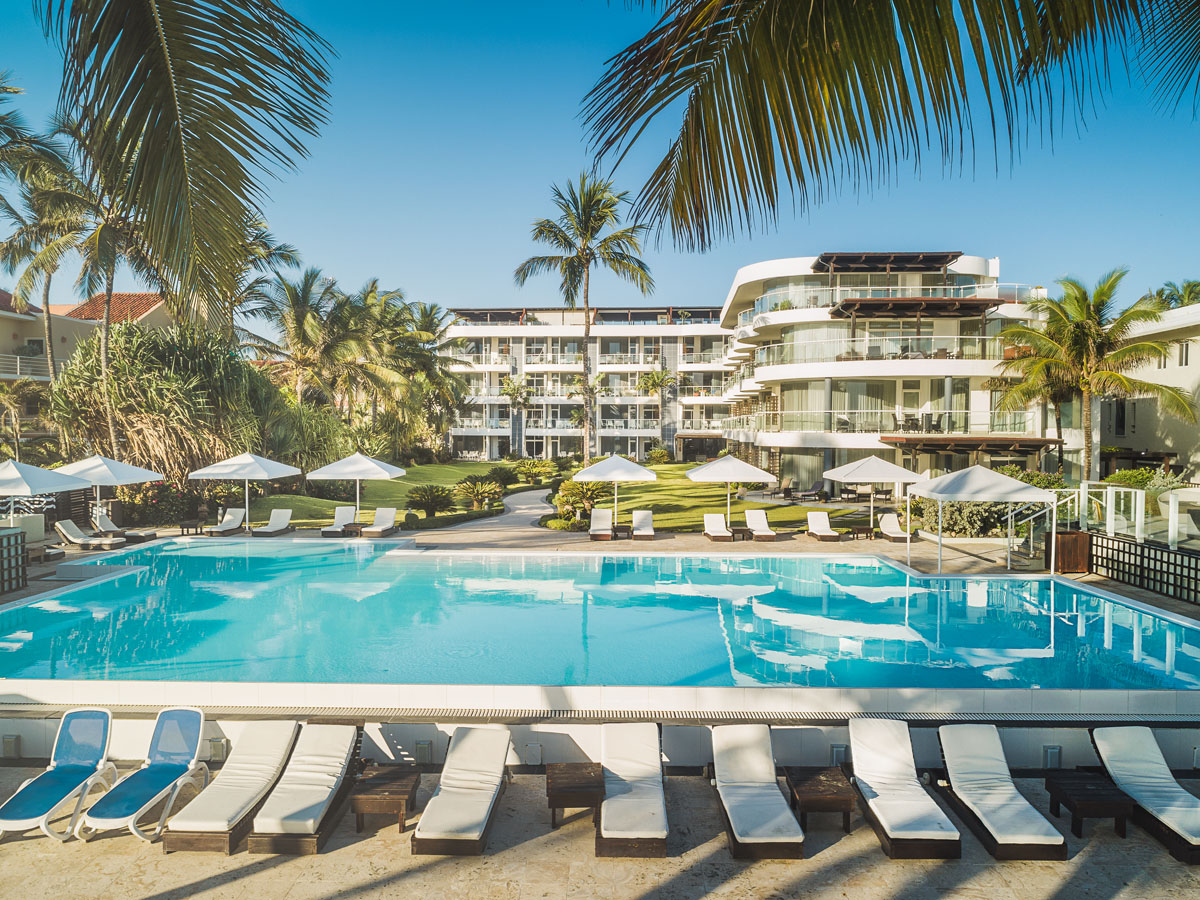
{"points": [[525, 858]]}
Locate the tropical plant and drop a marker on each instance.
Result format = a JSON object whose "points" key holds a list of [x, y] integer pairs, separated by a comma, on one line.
{"points": [[530, 470], [502, 475], [17, 397], [518, 392], [1045, 387], [1085, 343], [580, 497], [479, 494], [431, 499], [1185, 293], [661, 382], [658, 456], [586, 211]]}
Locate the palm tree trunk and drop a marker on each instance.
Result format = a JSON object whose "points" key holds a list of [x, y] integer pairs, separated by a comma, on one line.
{"points": [[587, 368], [47, 327], [1058, 434], [1087, 436], [105, 329]]}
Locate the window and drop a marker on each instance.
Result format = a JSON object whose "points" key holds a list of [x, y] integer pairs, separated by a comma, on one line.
{"points": [[1183, 353], [1119, 418]]}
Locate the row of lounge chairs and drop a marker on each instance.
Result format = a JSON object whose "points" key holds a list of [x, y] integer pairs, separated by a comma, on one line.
{"points": [[343, 518], [280, 523], [715, 528], [107, 536]]}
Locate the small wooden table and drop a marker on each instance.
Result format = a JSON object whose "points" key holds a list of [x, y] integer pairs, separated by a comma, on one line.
{"points": [[353, 529], [573, 786], [193, 526], [1088, 795], [623, 531], [385, 790], [741, 531], [819, 789], [863, 531]]}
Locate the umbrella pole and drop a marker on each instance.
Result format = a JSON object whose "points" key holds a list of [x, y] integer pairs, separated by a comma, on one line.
{"points": [[871, 521], [939, 537], [246, 495], [908, 526], [357, 489], [616, 488], [728, 514], [96, 511]]}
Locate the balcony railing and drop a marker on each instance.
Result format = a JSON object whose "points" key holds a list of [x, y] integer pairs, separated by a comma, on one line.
{"points": [[702, 390], [805, 297], [884, 348], [556, 424], [482, 423], [904, 421], [628, 424], [703, 358], [701, 424], [483, 359], [14, 366], [629, 359], [553, 359]]}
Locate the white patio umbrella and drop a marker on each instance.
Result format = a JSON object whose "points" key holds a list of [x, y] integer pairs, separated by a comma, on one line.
{"points": [[21, 480], [357, 468], [615, 469], [104, 472], [728, 469], [246, 467], [980, 484], [873, 470]]}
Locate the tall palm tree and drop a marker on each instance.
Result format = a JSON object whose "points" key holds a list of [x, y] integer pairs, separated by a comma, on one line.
{"points": [[1044, 387], [1185, 293], [1086, 344], [586, 210], [589, 391], [15, 397], [517, 391], [661, 382], [777, 97]]}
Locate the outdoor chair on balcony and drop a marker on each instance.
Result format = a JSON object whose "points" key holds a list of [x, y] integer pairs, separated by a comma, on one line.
{"points": [[941, 353], [875, 352]]}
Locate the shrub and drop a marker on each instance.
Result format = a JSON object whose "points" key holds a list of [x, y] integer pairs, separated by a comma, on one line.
{"points": [[411, 519], [581, 496], [431, 499], [158, 503], [1134, 478], [658, 456], [479, 493], [565, 463], [502, 475], [979, 519], [567, 524], [534, 470]]}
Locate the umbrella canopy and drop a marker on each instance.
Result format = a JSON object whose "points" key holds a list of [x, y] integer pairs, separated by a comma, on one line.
{"points": [[104, 472], [21, 480], [728, 469], [872, 470], [615, 469], [357, 468], [246, 467]]}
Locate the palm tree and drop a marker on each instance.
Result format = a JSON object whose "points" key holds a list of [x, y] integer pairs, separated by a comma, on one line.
{"points": [[517, 391], [1183, 294], [585, 211], [15, 398], [211, 99], [661, 382], [778, 97], [1086, 344], [1021, 393], [588, 390]]}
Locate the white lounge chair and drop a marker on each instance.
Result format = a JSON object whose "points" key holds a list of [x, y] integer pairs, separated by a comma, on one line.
{"points": [[279, 523], [907, 821], [758, 820], [104, 525], [342, 516], [889, 527], [756, 521], [385, 523], [601, 528], [982, 793], [1164, 807], [303, 809], [633, 814], [70, 533], [223, 813], [714, 528], [818, 526], [459, 815], [231, 523], [643, 525]]}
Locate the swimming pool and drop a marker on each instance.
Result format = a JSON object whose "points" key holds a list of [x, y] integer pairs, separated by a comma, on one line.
{"points": [[352, 612]]}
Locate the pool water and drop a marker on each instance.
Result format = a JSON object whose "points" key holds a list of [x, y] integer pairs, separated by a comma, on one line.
{"points": [[308, 611]]}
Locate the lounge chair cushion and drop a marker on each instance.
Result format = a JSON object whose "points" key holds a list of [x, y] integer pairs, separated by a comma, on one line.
{"points": [[384, 524], [257, 759], [979, 776], [1135, 762], [634, 806], [132, 794], [759, 814], [44, 793], [714, 523], [308, 784], [742, 755], [469, 786]]}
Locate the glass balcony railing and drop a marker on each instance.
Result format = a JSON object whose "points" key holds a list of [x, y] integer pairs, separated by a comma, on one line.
{"points": [[901, 421], [702, 390], [704, 358], [700, 425], [884, 348], [483, 359], [482, 423], [629, 359], [628, 424], [555, 424], [553, 359], [812, 297]]}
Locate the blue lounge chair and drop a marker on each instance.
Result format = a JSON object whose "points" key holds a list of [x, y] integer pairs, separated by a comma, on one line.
{"points": [[170, 764], [78, 763]]}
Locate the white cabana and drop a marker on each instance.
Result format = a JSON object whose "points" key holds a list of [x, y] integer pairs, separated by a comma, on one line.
{"points": [[615, 469], [728, 469], [357, 468], [22, 480], [246, 467], [872, 470], [977, 484], [100, 471]]}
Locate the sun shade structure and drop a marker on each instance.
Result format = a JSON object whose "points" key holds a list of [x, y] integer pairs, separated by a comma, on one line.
{"points": [[728, 469], [21, 480], [977, 484], [101, 471], [873, 470], [247, 467], [357, 468], [615, 469]]}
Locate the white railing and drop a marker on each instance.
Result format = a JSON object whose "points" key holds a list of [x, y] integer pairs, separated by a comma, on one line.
{"points": [[482, 423], [700, 425], [629, 359], [880, 349], [556, 424], [812, 297], [483, 359], [704, 358], [702, 390], [898, 421], [628, 424], [13, 365], [553, 359]]}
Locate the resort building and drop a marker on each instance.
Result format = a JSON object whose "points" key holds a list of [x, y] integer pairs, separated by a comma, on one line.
{"points": [[839, 356], [544, 348], [23, 341]]}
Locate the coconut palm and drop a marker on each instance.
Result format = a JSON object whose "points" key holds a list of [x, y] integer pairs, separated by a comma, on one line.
{"points": [[589, 391], [16, 397], [1045, 388], [517, 391], [1185, 293], [661, 382], [1087, 344], [586, 210]]}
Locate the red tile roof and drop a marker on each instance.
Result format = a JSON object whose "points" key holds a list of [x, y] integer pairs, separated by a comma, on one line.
{"points": [[6, 305], [126, 307]]}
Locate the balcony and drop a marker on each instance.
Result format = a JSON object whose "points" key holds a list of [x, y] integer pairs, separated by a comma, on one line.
{"points": [[710, 358], [480, 424], [641, 360], [706, 425], [555, 425], [951, 297], [629, 424], [882, 349], [14, 366], [902, 422], [554, 359], [710, 392], [483, 359]]}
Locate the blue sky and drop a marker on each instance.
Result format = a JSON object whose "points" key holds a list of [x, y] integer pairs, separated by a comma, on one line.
{"points": [[449, 122]]}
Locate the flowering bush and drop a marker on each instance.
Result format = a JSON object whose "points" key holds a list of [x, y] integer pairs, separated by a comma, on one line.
{"points": [[158, 503]]}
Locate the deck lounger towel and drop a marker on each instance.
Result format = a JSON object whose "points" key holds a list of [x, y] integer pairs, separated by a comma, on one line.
{"points": [[889, 527], [907, 821], [279, 523], [459, 815], [105, 526], [78, 762], [230, 524], [982, 793], [714, 528], [171, 763], [633, 814], [223, 813], [601, 527], [818, 526], [758, 820], [385, 523], [643, 525], [302, 809], [756, 521], [342, 516], [70, 533], [1164, 807]]}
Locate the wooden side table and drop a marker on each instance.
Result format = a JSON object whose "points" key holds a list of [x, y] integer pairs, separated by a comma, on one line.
{"points": [[573, 786], [742, 532], [819, 789], [385, 790], [353, 529], [623, 531], [1088, 795], [193, 526], [862, 531]]}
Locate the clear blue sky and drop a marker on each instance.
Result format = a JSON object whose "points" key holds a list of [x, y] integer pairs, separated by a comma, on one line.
{"points": [[449, 122]]}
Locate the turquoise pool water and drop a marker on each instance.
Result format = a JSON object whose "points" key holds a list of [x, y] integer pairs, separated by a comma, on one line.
{"points": [[309, 611]]}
